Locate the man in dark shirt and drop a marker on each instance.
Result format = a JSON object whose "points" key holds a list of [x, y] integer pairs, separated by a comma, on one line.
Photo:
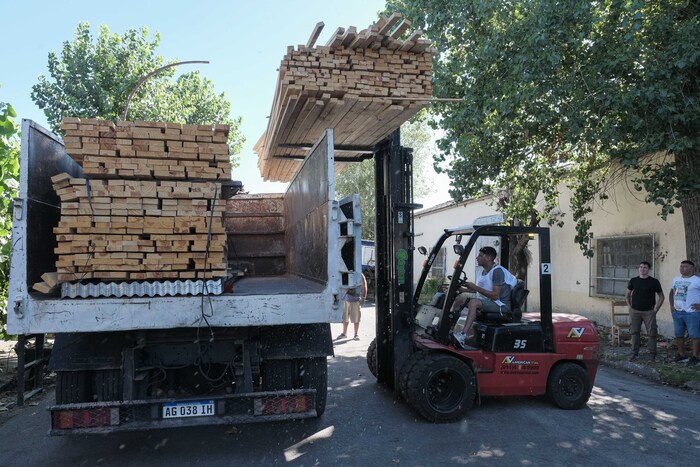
{"points": [[644, 297]]}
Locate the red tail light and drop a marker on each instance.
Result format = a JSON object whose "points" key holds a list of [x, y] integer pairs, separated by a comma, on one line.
{"points": [[84, 418]]}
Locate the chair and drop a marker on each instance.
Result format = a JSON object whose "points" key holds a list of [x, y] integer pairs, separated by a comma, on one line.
{"points": [[619, 321]]}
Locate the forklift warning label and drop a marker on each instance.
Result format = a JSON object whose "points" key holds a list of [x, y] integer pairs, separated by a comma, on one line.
{"points": [[511, 365]]}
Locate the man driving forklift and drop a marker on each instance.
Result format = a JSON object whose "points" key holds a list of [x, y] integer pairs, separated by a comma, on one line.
{"points": [[493, 288]]}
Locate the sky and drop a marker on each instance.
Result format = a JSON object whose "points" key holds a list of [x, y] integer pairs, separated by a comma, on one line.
{"points": [[244, 41]]}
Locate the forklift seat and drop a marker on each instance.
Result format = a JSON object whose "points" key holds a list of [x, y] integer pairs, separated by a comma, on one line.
{"points": [[517, 300]]}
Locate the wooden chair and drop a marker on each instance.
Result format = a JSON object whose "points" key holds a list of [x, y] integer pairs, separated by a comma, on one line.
{"points": [[619, 321]]}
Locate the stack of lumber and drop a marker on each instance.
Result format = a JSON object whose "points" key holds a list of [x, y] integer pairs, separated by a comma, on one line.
{"points": [[363, 85], [137, 221], [148, 150]]}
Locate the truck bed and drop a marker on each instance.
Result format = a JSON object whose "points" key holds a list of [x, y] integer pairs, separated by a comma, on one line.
{"points": [[321, 248]]}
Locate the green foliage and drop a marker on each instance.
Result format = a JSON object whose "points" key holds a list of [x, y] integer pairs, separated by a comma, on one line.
{"points": [[556, 92], [431, 286], [93, 78], [9, 176], [359, 178]]}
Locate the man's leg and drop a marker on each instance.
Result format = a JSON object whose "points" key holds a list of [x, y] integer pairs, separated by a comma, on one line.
{"points": [[474, 305], [650, 326], [635, 329], [679, 332], [357, 328]]}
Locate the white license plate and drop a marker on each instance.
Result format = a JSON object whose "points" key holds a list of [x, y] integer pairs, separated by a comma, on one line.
{"points": [[188, 409]]}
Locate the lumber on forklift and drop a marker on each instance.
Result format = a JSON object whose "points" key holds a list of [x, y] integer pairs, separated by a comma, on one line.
{"points": [[416, 351]]}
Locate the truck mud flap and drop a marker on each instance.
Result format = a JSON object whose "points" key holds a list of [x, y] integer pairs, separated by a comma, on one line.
{"points": [[119, 416]]}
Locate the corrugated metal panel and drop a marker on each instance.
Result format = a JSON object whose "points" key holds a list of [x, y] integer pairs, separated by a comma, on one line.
{"points": [[142, 289]]}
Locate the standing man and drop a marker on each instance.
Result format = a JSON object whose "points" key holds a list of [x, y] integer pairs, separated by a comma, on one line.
{"points": [[351, 309], [644, 297], [685, 309]]}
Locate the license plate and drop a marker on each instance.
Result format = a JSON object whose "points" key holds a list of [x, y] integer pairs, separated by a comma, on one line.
{"points": [[188, 409]]}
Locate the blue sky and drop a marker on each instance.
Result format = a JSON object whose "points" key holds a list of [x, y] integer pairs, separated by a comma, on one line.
{"points": [[244, 41]]}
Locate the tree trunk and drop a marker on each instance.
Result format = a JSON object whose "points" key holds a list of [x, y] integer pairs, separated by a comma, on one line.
{"points": [[688, 164]]}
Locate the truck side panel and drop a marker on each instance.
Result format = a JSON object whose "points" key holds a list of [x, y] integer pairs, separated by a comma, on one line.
{"points": [[312, 294]]}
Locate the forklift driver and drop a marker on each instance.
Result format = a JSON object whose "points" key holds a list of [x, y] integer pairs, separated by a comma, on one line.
{"points": [[493, 287]]}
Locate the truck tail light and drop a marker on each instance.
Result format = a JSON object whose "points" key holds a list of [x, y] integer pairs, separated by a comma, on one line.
{"points": [[84, 418], [283, 405]]}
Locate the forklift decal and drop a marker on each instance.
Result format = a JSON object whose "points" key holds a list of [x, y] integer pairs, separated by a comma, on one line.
{"points": [[576, 333], [510, 365], [401, 256]]}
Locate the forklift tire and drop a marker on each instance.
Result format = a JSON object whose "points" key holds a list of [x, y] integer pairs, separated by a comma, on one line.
{"points": [[569, 386], [372, 357], [441, 388], [406, 370], [71, 387]]}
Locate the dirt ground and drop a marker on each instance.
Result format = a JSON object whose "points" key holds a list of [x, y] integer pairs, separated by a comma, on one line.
{"points": [[664, 370]]}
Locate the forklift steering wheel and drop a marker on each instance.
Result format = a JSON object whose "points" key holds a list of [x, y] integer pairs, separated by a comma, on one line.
{"points": [[462, 279]]}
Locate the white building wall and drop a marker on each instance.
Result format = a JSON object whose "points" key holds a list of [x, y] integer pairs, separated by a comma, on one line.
{"points": [[625, 213]]}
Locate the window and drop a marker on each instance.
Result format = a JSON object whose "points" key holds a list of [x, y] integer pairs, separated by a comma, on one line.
{"points": [[616, 260], [438, 268]]}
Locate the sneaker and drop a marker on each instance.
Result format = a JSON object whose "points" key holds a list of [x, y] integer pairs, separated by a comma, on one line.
{"points": [[651, 359], [633, 357], [693, 361], [356, 338], [341, 336], [680, 358]]}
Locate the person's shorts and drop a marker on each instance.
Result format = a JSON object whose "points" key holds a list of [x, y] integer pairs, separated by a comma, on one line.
{"points": [[351, 312], [489, 306], [683, 320]]}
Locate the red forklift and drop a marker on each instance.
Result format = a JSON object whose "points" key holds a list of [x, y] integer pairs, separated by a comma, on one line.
{"points": [[416, 352]]}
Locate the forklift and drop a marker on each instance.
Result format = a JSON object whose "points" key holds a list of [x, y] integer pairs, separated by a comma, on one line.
{"points": [[416, 352]]}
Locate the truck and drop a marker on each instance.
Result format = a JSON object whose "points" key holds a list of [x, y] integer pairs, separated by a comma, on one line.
{"points": [[250, 350]]}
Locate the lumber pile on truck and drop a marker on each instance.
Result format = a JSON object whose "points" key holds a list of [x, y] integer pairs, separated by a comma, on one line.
{"points": [[149, 207], [363, 84]]}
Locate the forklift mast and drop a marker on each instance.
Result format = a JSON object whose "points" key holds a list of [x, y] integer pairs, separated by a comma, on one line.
{"points": [[394, 256]]}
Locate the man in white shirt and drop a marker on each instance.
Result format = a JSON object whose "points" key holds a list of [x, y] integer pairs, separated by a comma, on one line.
{"points": [[493, 287], [684, 298]]}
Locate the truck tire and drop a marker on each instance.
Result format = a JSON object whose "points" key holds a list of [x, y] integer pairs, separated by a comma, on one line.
{"points": [[569, 386], [372, 357], [314, 375], [107, 385], [278, 375], [441, 388], [71, 387]]}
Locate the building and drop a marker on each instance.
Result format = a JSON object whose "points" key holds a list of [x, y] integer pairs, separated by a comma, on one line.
{"points": [[626, 230]]}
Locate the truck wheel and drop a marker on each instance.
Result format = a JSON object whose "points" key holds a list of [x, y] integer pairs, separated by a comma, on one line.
{"points": [[107, 385], [71, 387], [372, 357], [314, 375], [569, 386], [406, 370], [441, 388], [278, 375]]}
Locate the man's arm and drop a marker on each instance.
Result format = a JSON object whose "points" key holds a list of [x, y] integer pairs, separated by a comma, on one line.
{"points": [[491, 294], [628, 297], [659, 300], [670, 299]]}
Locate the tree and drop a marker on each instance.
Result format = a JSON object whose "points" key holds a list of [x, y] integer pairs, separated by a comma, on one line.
{"points": [[93, 79], [359, 178], [9, 176], [568, 91]]}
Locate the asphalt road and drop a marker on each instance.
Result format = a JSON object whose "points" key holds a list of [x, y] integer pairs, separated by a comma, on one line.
{"points": [[628, 421]]}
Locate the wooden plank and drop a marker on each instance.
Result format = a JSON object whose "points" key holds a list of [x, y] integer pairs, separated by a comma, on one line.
{"points": [[314, 34]]}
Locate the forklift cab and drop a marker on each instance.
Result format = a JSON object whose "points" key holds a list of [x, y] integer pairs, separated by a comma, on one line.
{"points": [[434, 318]]}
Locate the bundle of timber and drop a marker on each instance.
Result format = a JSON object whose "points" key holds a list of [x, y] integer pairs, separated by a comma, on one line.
{"points": [[149, 207], [362, 85], [148, 150], [139, 230]]}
